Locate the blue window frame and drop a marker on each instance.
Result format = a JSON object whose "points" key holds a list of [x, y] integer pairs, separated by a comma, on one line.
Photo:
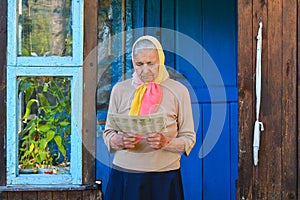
{"points": [[75, 23], [70, 66]]}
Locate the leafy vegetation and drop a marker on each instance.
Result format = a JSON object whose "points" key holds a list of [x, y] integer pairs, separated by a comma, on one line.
{"points": [[46, 121]]}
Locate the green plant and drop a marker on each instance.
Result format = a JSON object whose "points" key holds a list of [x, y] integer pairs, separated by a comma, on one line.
{"points": [[46, 120]]}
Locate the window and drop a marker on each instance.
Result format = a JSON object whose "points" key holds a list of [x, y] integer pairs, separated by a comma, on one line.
{"points": [[114, 64], [44, 90]]}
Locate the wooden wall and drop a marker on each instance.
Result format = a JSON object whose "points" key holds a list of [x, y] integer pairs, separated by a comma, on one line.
{"points": [[276, 176], [89, 91], [3, 44]]}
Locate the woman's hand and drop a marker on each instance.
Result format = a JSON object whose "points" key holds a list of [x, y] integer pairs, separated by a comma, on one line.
{"points": [[157, 140], [123, 141]]}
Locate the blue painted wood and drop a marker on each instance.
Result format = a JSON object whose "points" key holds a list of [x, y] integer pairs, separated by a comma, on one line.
{"points": [[103, 157], [189, 23], [216, 165], [103, 161], [77, 34], [198, 21], [11, 140], [234, 147], [153, 15], [129, 41], [76, 125], [189, 18], [192, 166], [11, 32], [138, 18], [51, 61], [214, 94], [116, 69], [153, 18], [219, 37], [168, 38]]}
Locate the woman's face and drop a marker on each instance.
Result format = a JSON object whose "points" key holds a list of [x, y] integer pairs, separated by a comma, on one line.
{"points": [[146, 63]]}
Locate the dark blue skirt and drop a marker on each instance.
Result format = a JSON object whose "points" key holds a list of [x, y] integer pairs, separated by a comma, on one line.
{"points": [[131, 185]]}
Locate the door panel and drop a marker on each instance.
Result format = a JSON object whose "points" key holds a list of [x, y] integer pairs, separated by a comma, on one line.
{"points": [[212, 26]]}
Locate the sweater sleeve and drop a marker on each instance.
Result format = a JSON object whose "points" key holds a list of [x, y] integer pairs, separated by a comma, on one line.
{"points": [[186, 137]]}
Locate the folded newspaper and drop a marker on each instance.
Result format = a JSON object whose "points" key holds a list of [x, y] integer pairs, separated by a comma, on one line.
{"points": [[152, 123]]}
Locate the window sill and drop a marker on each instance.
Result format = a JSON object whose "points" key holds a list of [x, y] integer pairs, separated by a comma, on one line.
{"points": [[15, 188]]}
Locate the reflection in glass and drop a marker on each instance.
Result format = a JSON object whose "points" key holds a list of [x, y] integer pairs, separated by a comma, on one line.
{"points": [[44, 28], [44, 124], [114, 57]]}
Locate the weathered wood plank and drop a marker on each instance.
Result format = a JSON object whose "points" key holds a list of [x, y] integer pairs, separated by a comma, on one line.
{"points": [[60, 195], [275, 176], [289, 130], [89, 91], [298, 98], [29, 195], [272, 103], [3, 195], [52, 195], [14, 195], [245, 85], [44, 195], [92, 194], [3, 43], [75, 195]]}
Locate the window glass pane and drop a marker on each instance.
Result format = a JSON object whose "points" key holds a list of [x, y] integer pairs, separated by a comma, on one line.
{"points": [[45, 124], [44, 28], [114, 57], [114, 65]]}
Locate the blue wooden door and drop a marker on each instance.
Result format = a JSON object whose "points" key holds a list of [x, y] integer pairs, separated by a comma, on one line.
{"points": [[201, 49], [213, 25]]}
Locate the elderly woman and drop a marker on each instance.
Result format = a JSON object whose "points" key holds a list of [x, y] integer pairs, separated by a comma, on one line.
{"points": [[149, 167]]}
